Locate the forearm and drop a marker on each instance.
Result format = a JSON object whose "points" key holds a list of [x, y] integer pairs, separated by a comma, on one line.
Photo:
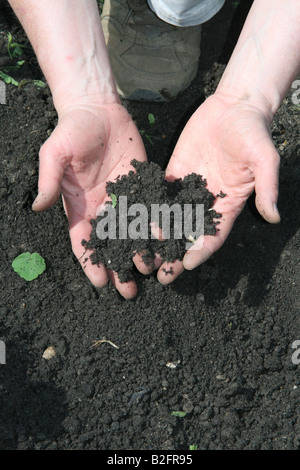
{"points": [[67, 38], [266, 58]]}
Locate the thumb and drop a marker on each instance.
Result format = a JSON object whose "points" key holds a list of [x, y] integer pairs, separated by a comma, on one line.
{"points": [[51, 173], [266, 185]]}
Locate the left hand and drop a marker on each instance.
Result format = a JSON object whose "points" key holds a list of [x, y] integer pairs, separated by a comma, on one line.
{"points": [[227, 142]]}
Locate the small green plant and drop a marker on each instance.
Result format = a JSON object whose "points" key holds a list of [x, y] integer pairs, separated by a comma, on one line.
{"points": [[29, 265], [38, 83], [142, 132], [151, 119], [193, 447], [179, 414], [7, 78], [14, 49], [114, 199]]}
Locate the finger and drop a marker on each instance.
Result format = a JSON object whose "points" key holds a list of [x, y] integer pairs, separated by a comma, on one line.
{"points": [[102, 208], [157, 261], [144, 266], [168, 272], [197, 255], [50, 177], [96, 274], [205, 246], [157, 232], [266, 186], [128, 290]]}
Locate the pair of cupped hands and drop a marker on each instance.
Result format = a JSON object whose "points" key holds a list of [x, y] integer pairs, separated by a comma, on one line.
{"points": [[226, 141]]}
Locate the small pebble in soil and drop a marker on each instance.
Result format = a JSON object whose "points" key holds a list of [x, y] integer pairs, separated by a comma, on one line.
{"points": [[49, 353]]}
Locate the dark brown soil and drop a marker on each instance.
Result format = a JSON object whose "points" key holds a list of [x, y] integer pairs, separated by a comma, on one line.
{"points": [[147, 186], [226, 328]]}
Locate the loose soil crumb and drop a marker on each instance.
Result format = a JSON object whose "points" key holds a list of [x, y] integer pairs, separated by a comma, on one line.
{"points": [[148, 186]]}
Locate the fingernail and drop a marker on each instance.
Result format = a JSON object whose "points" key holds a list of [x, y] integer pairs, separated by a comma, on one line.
{"points": [[275, 210], [37, 198]]}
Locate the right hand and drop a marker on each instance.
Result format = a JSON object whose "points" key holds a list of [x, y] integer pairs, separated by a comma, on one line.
{"points": [[90, 146]]}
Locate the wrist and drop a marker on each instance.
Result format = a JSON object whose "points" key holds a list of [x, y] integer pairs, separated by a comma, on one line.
{"points": [[245, 94], [266, 58], [69, 44], [84, 91]]}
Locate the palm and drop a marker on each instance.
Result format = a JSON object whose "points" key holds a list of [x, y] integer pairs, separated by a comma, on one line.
{"points": [[88, 148], [231, 148]]}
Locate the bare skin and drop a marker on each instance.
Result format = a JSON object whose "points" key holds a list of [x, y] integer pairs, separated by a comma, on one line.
{"points": [[235, 167], [90, 146], [227, 140]]}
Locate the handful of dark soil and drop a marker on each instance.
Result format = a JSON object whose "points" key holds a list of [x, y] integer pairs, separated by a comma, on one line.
{"points": [[143, 189]]}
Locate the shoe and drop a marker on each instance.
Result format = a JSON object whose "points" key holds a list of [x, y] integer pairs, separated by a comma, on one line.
{"points": [[151, 59]]}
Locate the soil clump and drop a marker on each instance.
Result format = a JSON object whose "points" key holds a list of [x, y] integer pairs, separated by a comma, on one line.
{"points": [[174, 207]]}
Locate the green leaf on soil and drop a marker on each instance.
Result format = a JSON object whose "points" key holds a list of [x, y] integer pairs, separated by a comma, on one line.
{"points": [[114, 200], [149, 138], [14, 49], [8, 79], [151, 118], [179, 414], [29, 266], [142, 132], [39, 83]]}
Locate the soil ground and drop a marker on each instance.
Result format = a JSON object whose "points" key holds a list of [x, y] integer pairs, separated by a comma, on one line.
{"points": [[227, 327]]}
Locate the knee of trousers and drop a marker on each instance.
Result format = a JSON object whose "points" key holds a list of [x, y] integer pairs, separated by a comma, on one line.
{"points": [[185, 12]]}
